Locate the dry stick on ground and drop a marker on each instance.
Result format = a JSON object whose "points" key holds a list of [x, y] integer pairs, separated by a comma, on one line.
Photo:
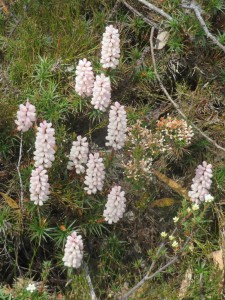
{"points": [[131, 8], [196, 9], [148, 277], [19, 174], [173, 102], [115, 8], [156, 9]]}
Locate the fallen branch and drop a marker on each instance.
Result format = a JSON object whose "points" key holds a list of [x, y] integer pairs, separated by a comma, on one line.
{"points": [[148, 277], [173, 102], [209, 35], [92, 291], [115, 8], [131, 8], [19, 174], [156, 9]]}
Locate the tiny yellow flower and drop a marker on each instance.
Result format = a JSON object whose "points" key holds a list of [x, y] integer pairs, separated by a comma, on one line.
{"points": [[171, 237], [175, 244], [188, 209], [195, 207], [175, 219], [163, 234]]}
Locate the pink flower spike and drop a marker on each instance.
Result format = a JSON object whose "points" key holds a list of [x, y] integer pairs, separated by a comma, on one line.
{"points": [[84, 81], [44, 153], [95, 174], [117, 127], [73, 252], [101, 92], [78, 155], [39, 186], [201, 183], [115, 206], [26, 116], [110, 53]]}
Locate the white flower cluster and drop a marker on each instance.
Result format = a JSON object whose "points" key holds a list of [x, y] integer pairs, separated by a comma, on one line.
{"points": [[44, 153], [78, 155], [101, 92], [117, 126], [31, 287], [201, 183], [39, 186], [84, 81], [73, 253], [95, 174], [26, 115], [110, 48], [115, 206]]}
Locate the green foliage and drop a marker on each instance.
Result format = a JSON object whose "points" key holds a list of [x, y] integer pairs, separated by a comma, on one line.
{"points": [[40, 45]]}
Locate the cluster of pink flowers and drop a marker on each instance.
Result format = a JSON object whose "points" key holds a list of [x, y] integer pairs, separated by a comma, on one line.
{"points": [[39, 186], [110, 48], [44, 145], [26, 115], [84, 81], [201, 183], [175, 129], [44, 155], [117, 126], [101, 92], [95, 174], [73, 253], [115, 206], [78, 155]]}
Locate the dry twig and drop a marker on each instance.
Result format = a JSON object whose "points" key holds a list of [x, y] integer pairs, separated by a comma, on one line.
{"points": [[131, 8], [197, 11], [115, 8], [19, 174], [173, 102], [156, 9], [147, 276]]}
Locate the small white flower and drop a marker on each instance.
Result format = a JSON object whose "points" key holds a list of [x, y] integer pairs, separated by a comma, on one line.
{"points": [[171, 237], [195, 207], [188, 209], [175, 244], [175, 219], [31, 287], [209, 198], [163, 234]]}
